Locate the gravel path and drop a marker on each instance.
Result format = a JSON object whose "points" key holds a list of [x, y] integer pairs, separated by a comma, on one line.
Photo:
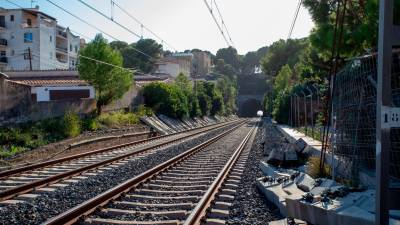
{"points": [[50, 204], [250, 206]]}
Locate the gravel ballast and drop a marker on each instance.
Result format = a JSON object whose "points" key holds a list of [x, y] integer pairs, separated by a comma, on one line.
{"points": [[50, 204], [250, 206]]}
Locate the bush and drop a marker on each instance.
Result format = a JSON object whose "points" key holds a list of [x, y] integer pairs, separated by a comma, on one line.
{"points": [[4, 153], [72, 124], [166, 99], [90, 124], [118, 119], [142, 110]]}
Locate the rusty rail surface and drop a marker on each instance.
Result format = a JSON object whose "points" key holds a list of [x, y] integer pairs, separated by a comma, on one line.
{"points": [[12, 192], [89, 206]]}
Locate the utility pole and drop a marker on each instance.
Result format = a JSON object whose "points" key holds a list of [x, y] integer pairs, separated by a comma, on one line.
{"points": [[30, 58], [387, 115]]}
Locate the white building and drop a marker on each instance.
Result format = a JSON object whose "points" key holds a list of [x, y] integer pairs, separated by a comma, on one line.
{"points": [[175, 64], [30, 39]]}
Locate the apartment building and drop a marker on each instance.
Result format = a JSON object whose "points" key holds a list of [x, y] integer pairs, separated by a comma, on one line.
{"points": [[32, 40], [201, 64]]}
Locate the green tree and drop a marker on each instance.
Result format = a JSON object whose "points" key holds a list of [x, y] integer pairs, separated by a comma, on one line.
{"points": [[133, 53], [360, 27], [281, 53], [110, 82], [230, 56], [283, 79]]}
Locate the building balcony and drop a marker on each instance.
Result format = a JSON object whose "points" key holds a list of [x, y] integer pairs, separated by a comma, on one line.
{"points": [[62, 60], [61, 34], [62, 50], [2, 25], [3, 60]]}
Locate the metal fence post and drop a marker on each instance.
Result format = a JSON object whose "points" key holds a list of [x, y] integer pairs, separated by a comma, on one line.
{"points": [[312, 112], [305, 110]]}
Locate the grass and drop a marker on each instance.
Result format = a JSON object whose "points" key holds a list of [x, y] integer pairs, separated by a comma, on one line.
{"points": [[31, 135], [313, 168], [316, 135]]}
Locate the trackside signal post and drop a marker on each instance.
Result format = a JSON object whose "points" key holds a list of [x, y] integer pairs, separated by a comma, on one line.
{"points": [[387, 116]]}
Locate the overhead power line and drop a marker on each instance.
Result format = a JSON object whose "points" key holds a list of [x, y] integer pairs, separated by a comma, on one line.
{"points": [[109, 18], [95, 27], [13, 3], [294, 19], [223, 22], [142, 25], [216, 22]]}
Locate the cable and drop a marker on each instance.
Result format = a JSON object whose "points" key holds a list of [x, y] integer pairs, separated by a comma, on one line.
{"points": [[93, 26], [294, 19], [112, 20], [223, 23], [142, 25], [216, 22], [13, 3]]}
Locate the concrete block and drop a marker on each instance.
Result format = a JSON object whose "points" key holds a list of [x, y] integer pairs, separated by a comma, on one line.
{"points": [[305, 182]]}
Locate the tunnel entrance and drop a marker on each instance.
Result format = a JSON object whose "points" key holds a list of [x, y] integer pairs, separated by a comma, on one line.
{"points": [[249, 108]]}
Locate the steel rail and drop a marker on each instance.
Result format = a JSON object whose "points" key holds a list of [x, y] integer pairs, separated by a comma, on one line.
{"points": [[89, 206], [12, 192], [200, 211], [15, 171], [7, 173]]}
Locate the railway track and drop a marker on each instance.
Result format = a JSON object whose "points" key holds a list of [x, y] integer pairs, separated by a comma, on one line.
{"points": [[194, 187], [22, 180]]}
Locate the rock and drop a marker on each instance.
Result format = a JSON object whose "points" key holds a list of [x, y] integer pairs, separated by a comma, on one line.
{"points": [[305, 182]]}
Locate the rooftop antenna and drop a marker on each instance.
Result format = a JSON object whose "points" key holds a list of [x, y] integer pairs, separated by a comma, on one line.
{"points": [[34, 2]]}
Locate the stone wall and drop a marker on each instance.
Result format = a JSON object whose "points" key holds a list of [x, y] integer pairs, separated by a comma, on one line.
{"points": [[129, 100], [14, 100], [16, 105]]}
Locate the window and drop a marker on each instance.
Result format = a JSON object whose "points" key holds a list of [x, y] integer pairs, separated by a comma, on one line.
{"points": [[69, 94], [76, 49], [29, 22], [12, 18], [28, 37], [51, 55], [26, 55], [2, 53], [73, 62], [70, 48], [12, 52], [2, 21], [51, 38]]}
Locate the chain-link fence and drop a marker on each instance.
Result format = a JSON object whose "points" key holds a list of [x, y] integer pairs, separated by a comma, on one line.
{"points": [[354, 117]]}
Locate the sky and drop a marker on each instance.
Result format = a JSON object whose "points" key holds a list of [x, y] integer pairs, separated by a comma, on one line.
{"points": [[184, 24]]}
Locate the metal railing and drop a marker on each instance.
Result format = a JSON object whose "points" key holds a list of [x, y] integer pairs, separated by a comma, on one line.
{"points": [[3, 42]]}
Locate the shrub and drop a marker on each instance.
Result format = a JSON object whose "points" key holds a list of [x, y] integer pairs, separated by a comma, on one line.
{"points": [[117, 119], [90, 124], [4, 153], [72, 124], [142, 110]]}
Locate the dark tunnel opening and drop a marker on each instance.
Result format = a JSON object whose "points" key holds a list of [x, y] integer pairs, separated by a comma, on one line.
{"points": [[249, 108]]}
